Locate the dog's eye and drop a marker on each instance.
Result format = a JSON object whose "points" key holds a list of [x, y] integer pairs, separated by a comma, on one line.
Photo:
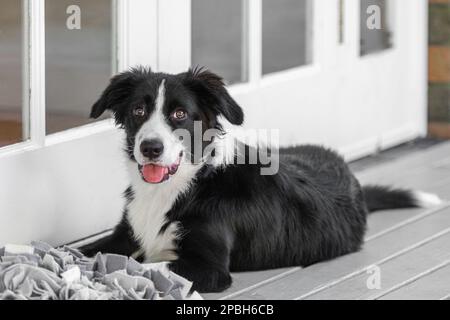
{"points": [[179, 114], [139, 111]]}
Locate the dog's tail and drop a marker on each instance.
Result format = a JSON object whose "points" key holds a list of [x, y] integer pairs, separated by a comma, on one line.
{"points": [[382, 198]]}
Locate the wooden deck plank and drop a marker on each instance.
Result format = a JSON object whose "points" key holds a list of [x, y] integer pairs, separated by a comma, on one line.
{"points": [[393, 272], [433, 285], [428, 170], [424, 180], [377, 223], [380, 221], [323, 275], [442, 190], [420, 178], [402, 174], [245, 280], [442, 163], [435, 157], [388, 218]]}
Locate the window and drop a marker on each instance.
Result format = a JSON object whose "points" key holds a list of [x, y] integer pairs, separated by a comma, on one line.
{"points": [[78, 63], [13, 123], [218, 37], [375, 34], [78, 59], [286, 34]]}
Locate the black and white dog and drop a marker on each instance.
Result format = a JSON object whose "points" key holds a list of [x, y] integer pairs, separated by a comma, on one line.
{"points": [[212, 217]]}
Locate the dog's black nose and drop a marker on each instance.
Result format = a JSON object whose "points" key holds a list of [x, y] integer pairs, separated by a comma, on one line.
{"points": [[152, 149]]}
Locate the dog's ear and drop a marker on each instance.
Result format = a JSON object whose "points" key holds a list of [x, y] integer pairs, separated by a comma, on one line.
{"points": [[210, 89], [116, 93]]}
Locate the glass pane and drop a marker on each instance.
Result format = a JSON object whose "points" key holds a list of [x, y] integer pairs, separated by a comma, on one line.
{"points": [[286, 38], [218, 38], [375, 35], [12, 128], [78, 59]]}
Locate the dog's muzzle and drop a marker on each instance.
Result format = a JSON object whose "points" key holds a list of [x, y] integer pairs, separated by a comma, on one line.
{"points": [[155, 173]]}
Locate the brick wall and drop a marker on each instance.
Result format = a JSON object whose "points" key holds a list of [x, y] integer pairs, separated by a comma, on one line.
{"points": [[439, 69]]}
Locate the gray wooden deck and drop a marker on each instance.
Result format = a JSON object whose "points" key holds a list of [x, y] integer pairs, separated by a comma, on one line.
{"points": [[411, 247]]}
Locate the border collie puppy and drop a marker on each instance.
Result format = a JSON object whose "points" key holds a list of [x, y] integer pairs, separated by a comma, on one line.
{"points": [[209, 218]]}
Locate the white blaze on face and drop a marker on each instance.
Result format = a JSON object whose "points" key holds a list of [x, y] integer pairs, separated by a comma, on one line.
{"points": [[156, 127], [147, 210]]}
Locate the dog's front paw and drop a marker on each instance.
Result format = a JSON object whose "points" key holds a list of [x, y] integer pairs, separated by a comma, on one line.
{"points": [[204, 280], [212, 283]]}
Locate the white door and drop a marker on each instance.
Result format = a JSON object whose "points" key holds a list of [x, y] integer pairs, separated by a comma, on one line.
{"points": [[309, 68], [312, 68]]}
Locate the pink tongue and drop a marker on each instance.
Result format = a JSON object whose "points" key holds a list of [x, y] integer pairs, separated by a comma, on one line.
{"points": [[153, 173]]}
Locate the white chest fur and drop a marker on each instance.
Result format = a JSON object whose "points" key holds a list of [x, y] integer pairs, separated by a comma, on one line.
{"points": [[147, 211]]}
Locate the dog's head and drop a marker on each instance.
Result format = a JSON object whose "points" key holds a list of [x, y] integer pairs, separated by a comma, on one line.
{"points": [[155, 109]]}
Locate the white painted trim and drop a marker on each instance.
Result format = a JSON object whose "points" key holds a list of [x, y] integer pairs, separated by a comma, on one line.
{"points": [[398, 136], [174, 35], [18, 148], [375, 144], [60, 137], [290, 74], [316, 9], [138, 31], [274, 78], [242, 88], [37, 70], [121, 31], [80, 132], [360, 149], [254, 41], [91, 239], [245, 5], [25, 70], [377, 54], [353, 33]]}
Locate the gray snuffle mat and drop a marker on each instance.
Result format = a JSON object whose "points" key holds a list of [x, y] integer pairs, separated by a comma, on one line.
{"points": [[39, 271]]}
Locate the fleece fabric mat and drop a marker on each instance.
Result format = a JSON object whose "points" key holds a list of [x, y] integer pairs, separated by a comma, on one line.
{"points": [[39, 271]]}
